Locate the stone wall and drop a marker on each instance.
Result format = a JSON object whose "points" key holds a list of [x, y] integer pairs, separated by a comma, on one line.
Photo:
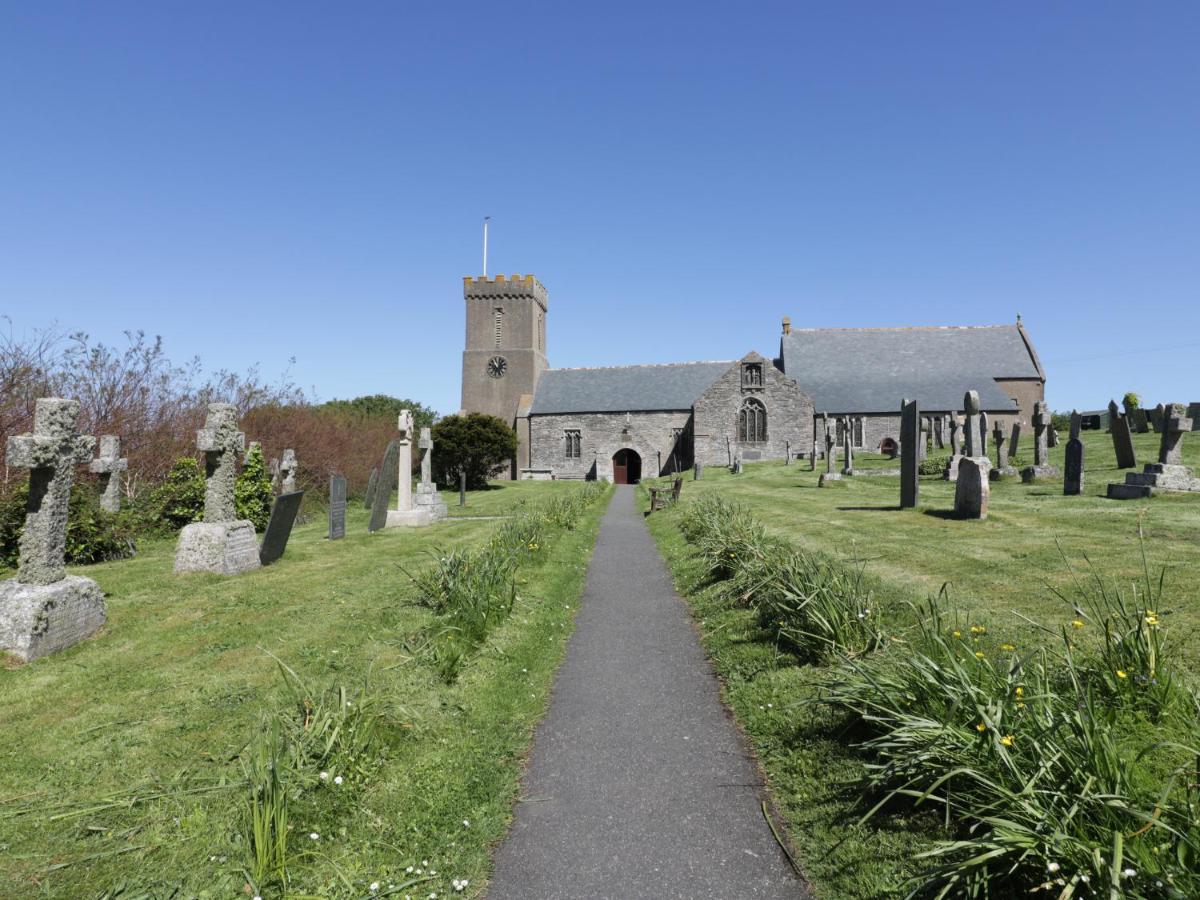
{"points": [[789, 415], [602, 435], [1026, 391]]}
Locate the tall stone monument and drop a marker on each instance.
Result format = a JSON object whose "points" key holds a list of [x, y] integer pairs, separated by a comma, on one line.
{"points": [[1041, 467], [972, 489], [288, 466], [44, 610], [1073, 465], [405, 513], [427, 496], [1122, 438], [1168, 475], [222, 543], [910, 468], [109, 467]]}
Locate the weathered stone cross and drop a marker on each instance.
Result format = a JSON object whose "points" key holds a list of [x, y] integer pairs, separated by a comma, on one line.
{"points": [[971, 426], [287, 468], [1176, 423], [221, 442], [108, 466], [50, 453], [1000, 438], [1039, 433], [425, 445]]}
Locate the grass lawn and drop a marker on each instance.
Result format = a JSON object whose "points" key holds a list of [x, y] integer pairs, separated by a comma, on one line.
{"points": [[119, 759], [997, 570]]}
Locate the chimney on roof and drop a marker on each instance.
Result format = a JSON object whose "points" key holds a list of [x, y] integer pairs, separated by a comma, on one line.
{"points": [[787, 324], [1018, 318]]}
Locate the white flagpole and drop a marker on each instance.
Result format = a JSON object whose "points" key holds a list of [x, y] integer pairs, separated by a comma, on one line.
{"points": [[486, 219]]}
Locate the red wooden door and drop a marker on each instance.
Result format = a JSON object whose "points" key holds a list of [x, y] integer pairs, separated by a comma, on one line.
{"points": [[620, 468]]}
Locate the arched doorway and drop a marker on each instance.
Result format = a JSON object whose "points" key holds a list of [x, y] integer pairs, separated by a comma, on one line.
{"points": [[627, 467]]}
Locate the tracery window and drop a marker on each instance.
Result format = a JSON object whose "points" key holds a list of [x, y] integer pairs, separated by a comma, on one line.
{"points": [[752, 422], [572, 443]]}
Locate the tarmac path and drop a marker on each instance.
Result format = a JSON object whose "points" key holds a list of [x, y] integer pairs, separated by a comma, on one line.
{"points": [[639, 785]]}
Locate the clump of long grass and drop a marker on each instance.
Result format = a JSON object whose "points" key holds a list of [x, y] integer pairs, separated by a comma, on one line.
{"points": [[472, 591]]}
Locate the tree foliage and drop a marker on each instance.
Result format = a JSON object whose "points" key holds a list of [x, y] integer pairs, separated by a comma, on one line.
{"points": [[179, 500], [1132, 400], [383, 406], [92, 534], [476, 443], [253, 494]]}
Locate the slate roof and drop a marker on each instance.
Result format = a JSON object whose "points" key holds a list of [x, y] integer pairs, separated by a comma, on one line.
{"points": [[870, 370], [675, 386]]}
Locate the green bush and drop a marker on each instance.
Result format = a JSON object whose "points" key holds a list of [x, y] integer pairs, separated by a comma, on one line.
{"points": [[179, 500], [933, 465], [93, 535], [253, 494], [478, 444]]}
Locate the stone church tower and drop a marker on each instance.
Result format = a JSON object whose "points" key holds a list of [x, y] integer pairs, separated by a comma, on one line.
{"points": [[505, 350]]}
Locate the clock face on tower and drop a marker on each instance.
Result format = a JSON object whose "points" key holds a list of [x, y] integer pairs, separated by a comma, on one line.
{"points": [[497, 366]]}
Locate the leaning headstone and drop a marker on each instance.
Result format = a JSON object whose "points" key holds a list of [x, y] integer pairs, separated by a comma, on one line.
{"points": [[405, 513], [1073, 464], [109, 466], [44, 610], [1122, 439], [910, 469], [287, 470], [337, 507], [279, 526], [1139, 421], [369, 499], [1041, 467], [1014, 442], [427, 496], [972, 490], [384, 485], [1168, 474], [221, 543]]}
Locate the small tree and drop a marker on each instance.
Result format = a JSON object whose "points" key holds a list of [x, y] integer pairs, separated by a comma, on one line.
{"points": [[253, 494], [1132, 400], [478, 444]]}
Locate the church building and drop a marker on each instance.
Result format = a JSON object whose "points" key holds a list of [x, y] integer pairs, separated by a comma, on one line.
{"points": [[623, 423]]}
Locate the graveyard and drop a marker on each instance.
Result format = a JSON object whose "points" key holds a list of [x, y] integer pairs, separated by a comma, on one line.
{"points": [[1011, 585], [130, 768]]}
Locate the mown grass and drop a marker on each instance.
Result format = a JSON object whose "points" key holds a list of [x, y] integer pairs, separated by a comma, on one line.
{"points": [[124, 761], [1003, 574]]}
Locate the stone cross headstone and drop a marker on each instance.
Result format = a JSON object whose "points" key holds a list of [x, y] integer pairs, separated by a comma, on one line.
{"points": [[427, 496], [955, 446], [910, 470], [971, 423], [221, 543], [1000, 439], [337, 507], [848, 451], [384, 485], [1014, 442], [405, 512], [44, 610], [1073, 465], [983, 434], [279, 526], [1122, 439], [1176, 423], [425, 445], [369, 499], [1040, 424], [109, 467], [287, 469], [830, 452]]}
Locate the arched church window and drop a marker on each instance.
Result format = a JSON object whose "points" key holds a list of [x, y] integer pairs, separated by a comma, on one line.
{"points": [[752, 422]]}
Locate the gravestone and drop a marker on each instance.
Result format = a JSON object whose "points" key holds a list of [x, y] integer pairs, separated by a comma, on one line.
{"points": [[972, 490], [369, 499], [847, 451], [950, 473], [221, 543], [1000, 439], [736, 468], [812, 457], [427, 496], [337, 507], [983, 434], [787, 453], [910, 469], [971, 424], [273, 467], [1168, 475], [939, 432], [697, 470], [405, 513], [1051, 436], [109, 467], [1073, 464], [1014, 442], [287, 470], [1118, 427], [384, 485], [1041, 467], [1156, 418], [830, 452], [1139, 422], [923, 439], [279, 526], [44, 610]]}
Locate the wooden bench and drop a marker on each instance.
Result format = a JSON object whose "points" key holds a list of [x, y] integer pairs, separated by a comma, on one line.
{"points": [[661, 496]]}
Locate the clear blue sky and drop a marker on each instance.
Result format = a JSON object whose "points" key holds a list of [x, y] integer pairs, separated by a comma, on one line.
{"points": [[258, 181]]}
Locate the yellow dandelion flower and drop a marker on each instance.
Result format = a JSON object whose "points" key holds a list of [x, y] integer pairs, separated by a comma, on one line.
{"points": [[981, 728], [1077, 623], [1020, 706], [1121, 673], [1007, 647], [978, 629], [958, 634], [1020, 691], [1007, 740], [979, 654], [1152, 620]]}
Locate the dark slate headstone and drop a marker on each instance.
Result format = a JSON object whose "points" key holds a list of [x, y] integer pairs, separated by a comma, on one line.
{"points": [[384, 485], [337, 507], [369, 500], [279, 527], [910, 435], [1118, 427], [1014, 442], [1073, 470]]}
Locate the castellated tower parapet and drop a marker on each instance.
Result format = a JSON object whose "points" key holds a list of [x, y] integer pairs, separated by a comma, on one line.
{"points": [[504, 352]]}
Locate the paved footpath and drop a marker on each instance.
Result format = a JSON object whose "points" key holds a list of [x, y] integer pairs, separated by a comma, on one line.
{"points": [[638, 785]]}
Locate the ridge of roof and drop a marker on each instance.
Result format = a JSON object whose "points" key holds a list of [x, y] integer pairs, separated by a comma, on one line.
{"points": [[905, 328], [694, 362]]}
